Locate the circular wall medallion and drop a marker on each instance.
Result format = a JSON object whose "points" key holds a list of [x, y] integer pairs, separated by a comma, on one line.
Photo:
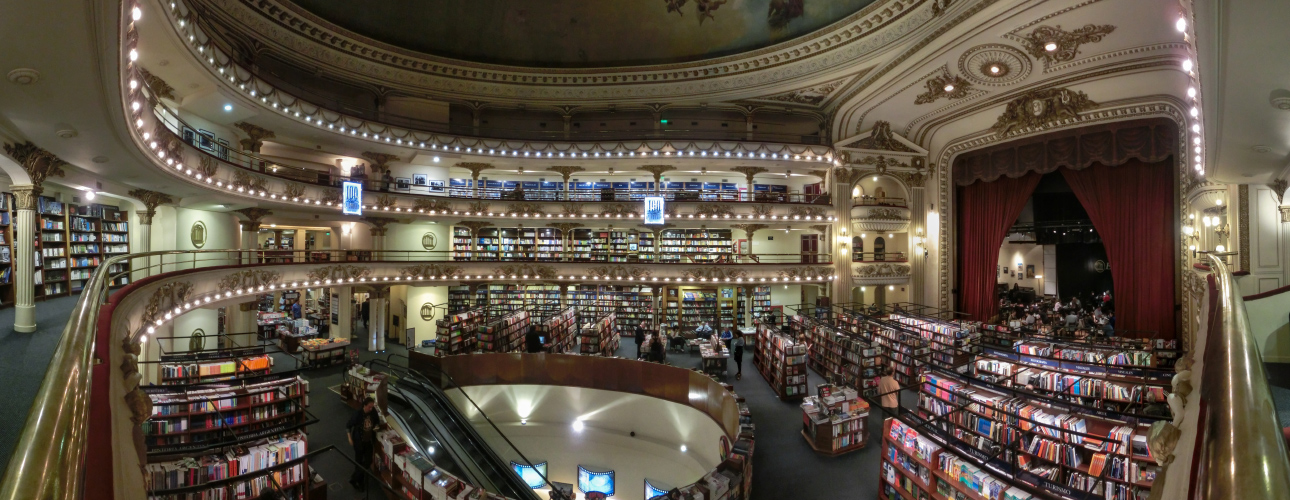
{"points": [[994, 64], [429, 241], [427, 311], [197, 341], [198, 234], [1099, 266]]}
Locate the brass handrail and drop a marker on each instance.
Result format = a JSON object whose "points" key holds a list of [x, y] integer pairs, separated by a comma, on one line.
{"points": [[1243, 453]]}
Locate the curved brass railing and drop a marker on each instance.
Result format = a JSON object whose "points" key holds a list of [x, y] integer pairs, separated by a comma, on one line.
{"points": [[1243, 453]]}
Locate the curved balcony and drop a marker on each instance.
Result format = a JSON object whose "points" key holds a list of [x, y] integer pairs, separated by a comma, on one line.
{"points": [[251, 177], [880, 218], [185, 25], [880, 273]]}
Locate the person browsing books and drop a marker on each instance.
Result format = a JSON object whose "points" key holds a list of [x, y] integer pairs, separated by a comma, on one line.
{"points": [[726, 336], [739, 355], [889, 389], [362, 434], [640, 337]]}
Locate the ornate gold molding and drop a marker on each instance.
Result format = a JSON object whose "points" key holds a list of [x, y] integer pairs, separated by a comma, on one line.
{"points": [[807, 273], [525, 270], [880, 163], [151, 200], [253, 215], [475, 168], [159, 87], [565, 171], [207, 166], [339, 272], [255, 136], [24, 198], [166, 301], [750, 229], [800, 211], [293, 190], [1278, 187], [38, 163], [565, 227], [380, 161], [820, 228], [881, 138], [252, 183], [1037, 109], [571, 208], [914, 179], [386, 201], [749, 172], [474, 225], [944, 85], [713, 210], [763, 210], [433, 205], [432, 270], [525, 208], [248, 279], [1065, 44], [617, 209], [330, 196], [378, 224], [716, 273], [479, 206], [657, 170]]}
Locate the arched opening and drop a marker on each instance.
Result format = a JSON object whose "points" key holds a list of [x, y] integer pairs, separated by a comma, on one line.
{"points": [[857, 249], [879, 249]]}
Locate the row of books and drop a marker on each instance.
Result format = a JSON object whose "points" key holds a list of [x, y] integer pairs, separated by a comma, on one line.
{"points": [[201, 470]]}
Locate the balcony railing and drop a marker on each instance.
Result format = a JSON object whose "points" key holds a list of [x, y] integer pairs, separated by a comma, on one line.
{"points": [[878, 257], [872, 201], [568, 255]]}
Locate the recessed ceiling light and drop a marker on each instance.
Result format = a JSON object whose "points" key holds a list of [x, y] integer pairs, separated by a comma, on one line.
{"points": [[228, 107], [995, 69], [1050, 46], [949, 87]]}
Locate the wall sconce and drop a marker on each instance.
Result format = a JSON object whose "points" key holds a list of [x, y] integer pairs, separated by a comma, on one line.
{"points": [[855, 192], [842, 231]]}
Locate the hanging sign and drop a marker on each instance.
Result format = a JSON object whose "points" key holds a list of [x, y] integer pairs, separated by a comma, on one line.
{"points": [[352, 194], [653, 210]]}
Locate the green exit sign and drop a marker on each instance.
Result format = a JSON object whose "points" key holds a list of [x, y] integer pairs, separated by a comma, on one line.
{"points": [[663, 122]]}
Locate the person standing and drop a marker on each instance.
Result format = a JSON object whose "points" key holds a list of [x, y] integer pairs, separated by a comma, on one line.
{"points": [[362, 430], [704, 330], [739, 355], [726, 336], [640, 337], [367, 315], [890, 390], [295, 309]]}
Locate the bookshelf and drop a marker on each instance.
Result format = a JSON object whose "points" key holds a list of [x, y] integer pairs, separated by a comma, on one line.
{"points": [[835, 420], [549, 244], [85, 250], [115, 238], [838, 355], [507, 244], [630, 304], [599, 337], [203, 416], [541, 300], [1148, 353], [504, 334], [505, 298], [461, 244], [589, 245], [695, 245], [52, 276], [952, 343], [461, 298], [781, 361], [916, 467], [240, 473], [7, 292], [456, 334], [211, 370], [905, 352], [688, 307], [760, 301], [1033, 367], [559, 329], [1059, 449]]}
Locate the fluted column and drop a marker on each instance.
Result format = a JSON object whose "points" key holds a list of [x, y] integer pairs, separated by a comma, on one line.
{"points": [[24, 260], [379, 301], [841, 197], [918, 229], [142, 243]]}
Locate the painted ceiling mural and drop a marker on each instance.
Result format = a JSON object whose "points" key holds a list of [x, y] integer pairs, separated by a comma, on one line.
{"points": [[582, 33]]}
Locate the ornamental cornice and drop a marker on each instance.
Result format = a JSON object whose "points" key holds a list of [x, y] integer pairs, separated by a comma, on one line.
{"points": [[301, 35]]}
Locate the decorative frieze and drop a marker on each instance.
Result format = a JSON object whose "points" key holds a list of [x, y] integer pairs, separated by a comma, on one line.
{"points": [[1052, 44], [525, 271], [151, 200], [1037, 109], [339, 272], [716, 273], [431, 270], [255, 136], [248, 279], [167, 301], [37, 162]]}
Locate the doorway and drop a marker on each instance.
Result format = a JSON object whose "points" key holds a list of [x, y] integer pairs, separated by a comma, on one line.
{"points": [[810, 248]]}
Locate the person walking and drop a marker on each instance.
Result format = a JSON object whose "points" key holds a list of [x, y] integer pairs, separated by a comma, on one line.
{"points": [[640, 337], [362, 429], [890, 390], [739, 355]]}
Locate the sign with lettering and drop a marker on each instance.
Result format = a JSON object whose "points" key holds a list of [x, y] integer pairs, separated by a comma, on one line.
{"points": [[653, 210], [352, 198]]}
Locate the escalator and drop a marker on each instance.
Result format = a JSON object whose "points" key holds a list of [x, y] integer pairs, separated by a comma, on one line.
{"points": [[443, 434]]}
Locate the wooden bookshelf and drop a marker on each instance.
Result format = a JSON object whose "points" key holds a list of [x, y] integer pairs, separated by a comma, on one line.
{"points": [[504, 334], [1059, 449], [680, 245], [211, 370], [781, 361], [462, 248], [904, 351], [559, 329], [1152, 353], [7, 291], [835, 421], [838, 355], [52, 266], [599, 337], [1121, 389], [456, 334], [115, 239], [952, 343], [202, 416]]}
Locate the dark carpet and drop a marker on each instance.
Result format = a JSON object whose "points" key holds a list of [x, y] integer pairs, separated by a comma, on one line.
{"points": [[24, 357]]}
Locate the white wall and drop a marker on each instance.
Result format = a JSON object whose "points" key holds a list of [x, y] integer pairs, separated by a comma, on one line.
{"points": [[1027, 254], [408, 236], [415, 297], [205, 319], [1270, 325], [222, 233]]}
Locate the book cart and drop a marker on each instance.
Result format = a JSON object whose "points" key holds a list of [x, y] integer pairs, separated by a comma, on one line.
{"points": [[835, 421], [782, 362]]}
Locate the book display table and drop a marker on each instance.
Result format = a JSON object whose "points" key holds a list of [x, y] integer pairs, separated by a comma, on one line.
{"points": [[715, 361], [324, 352], [835, 421]]}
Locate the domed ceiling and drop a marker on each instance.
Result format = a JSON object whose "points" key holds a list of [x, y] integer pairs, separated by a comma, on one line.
{"points": [[581, 33]]}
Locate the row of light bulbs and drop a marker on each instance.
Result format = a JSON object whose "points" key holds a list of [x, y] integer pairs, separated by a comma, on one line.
{"points": [[514, 215], [295, 109], [1189, 67]]}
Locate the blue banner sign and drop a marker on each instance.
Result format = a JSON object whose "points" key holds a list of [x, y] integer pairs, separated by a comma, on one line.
{"points": [[352, 194], [654, 210]]}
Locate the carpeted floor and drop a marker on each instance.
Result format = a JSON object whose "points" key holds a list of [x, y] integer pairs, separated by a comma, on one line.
{"points": [[24, 357]]}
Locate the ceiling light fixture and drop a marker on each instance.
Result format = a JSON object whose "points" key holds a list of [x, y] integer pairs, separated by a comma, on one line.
{"points": [[1050, 46], [228, 107]]}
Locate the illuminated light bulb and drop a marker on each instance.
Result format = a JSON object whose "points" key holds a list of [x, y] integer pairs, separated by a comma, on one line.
{"points": [[1181, 25], [1187, 65], [1194, 112], [1050, 46], [949, 87], [1191, 92]]}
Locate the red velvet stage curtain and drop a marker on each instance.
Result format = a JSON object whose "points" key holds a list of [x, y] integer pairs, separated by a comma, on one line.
{"points": [[986, 210], [1131, 206]]}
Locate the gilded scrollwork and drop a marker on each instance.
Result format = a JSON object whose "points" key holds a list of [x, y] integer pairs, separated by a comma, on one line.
{"points": [[525, 208], [883, 270], [1039, 108], [713, 210], [432, 270], [167, 300], [432, 205], [250, 278], [525, 270], [716, 273], [807, 273], [339, 272]]}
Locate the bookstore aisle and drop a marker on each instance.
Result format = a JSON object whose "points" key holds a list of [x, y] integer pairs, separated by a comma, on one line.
{"points": [[784, 465]]}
